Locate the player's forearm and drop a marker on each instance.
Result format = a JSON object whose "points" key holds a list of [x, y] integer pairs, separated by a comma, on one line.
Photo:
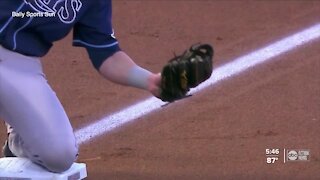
{"points": [[121, 69]]}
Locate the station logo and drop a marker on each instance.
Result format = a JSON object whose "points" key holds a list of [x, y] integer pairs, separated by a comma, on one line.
{"points": [[298, 155], [66, 10]]}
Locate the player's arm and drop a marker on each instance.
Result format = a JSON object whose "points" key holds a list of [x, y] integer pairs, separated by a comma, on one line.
{"points": [[94, 32], [121, 69]]}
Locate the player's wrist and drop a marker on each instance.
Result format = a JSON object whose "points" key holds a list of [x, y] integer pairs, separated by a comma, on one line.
{"points": [[154, 82], [139, 77]]}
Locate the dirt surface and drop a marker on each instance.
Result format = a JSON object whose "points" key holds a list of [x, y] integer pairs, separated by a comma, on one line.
{"points": [[219, 133]]}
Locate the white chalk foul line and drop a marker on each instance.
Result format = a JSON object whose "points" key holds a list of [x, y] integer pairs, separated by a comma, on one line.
{"points": [[232, 68]]}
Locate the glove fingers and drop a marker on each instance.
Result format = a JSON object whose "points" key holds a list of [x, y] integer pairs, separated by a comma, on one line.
{"points": [[200, 67]]}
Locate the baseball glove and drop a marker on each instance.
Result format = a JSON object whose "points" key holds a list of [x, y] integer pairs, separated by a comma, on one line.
{"points": [[186, 71]]}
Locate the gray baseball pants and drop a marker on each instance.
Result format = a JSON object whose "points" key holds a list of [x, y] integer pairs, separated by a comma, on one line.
{"points": [[41, 129]]}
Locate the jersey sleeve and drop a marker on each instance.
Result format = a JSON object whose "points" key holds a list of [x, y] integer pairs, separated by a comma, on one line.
{"points": [[95, 33]]}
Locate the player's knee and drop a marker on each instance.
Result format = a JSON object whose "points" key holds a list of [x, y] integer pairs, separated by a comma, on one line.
{"points": [[60, 159]]}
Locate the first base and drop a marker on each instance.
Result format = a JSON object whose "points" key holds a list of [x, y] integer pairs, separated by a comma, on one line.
{"points": [[23, 169]]}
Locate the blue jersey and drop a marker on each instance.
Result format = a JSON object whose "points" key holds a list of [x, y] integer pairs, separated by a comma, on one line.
{"points": [[30, 27]]}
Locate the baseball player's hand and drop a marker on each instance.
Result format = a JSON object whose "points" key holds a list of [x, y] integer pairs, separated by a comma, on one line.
{"points": [[154, 83]]}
